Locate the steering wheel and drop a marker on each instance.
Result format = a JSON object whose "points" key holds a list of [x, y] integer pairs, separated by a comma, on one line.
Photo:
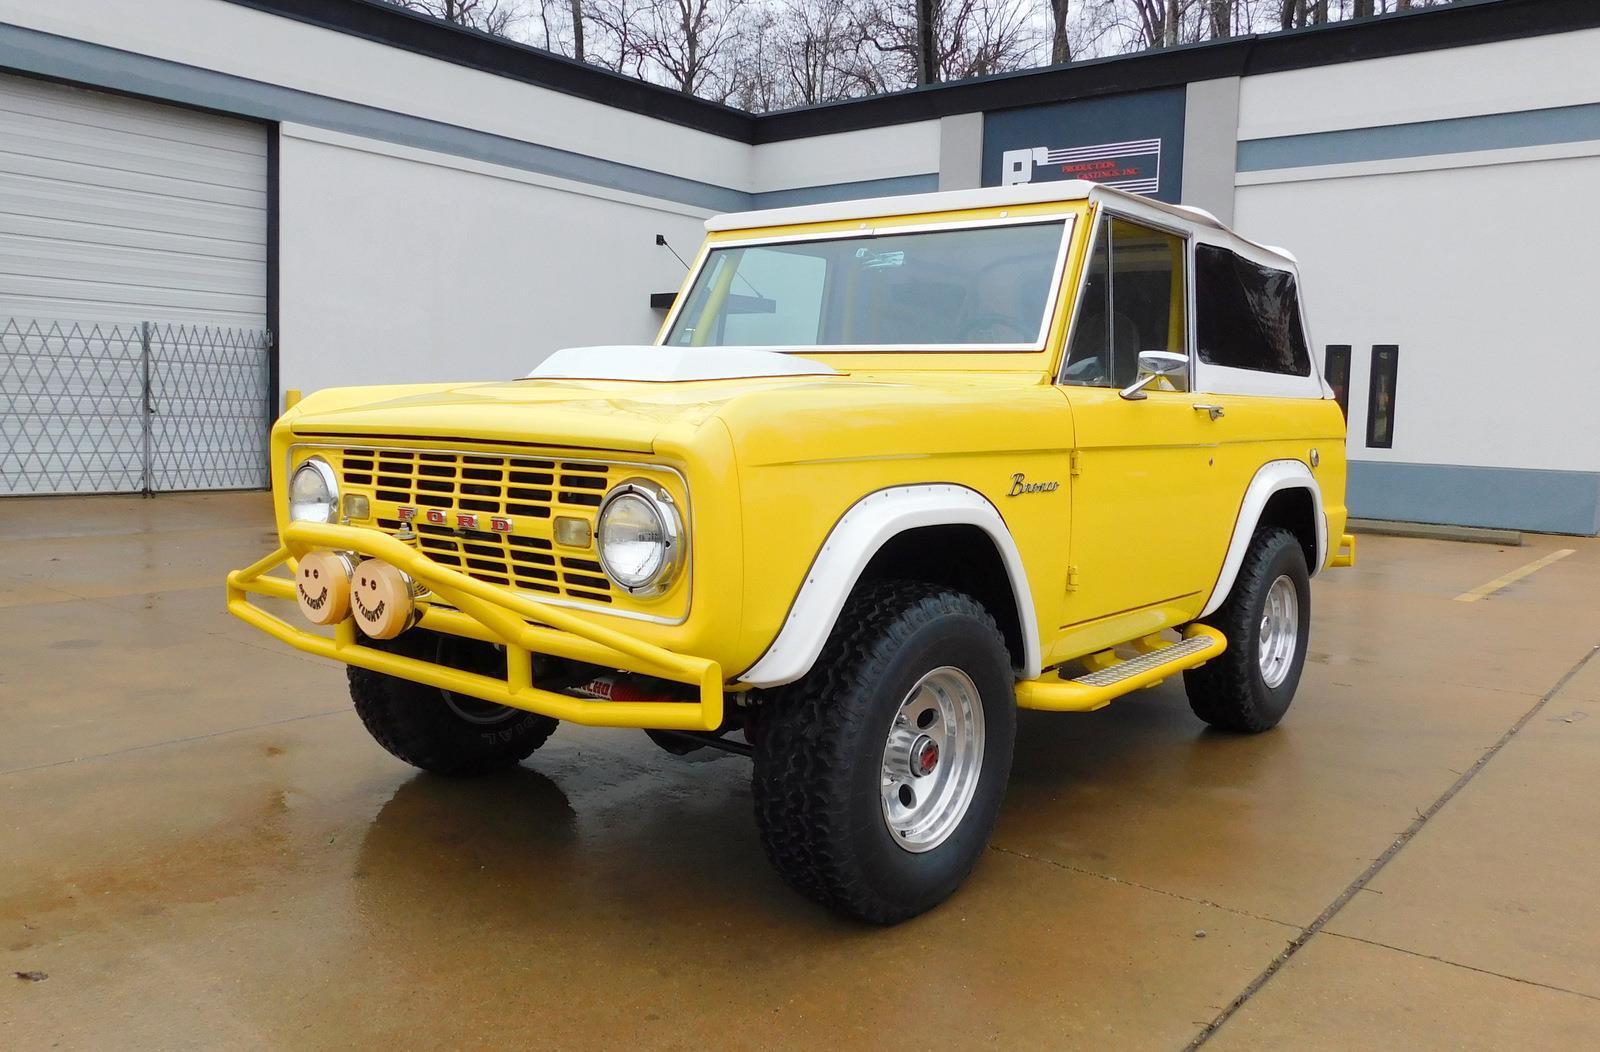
{"points": [[1087, 372], [981, 328]]}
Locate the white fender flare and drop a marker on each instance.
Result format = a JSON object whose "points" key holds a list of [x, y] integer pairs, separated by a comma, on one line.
{"points": [[1273, 477], [869, 524]]}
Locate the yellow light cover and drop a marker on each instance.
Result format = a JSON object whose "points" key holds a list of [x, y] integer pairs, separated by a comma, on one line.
{"points": [[571, 532], [356, 506]]}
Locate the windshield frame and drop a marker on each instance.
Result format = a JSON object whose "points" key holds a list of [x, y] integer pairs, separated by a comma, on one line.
{"points": [[866, 231]]}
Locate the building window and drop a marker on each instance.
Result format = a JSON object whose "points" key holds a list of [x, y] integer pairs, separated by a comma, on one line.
{"points": [[1247, 316], [1337, 372], [1380, 396]]}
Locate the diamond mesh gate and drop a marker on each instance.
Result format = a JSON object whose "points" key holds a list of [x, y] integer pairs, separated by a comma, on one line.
{"points": [[145, 407]]}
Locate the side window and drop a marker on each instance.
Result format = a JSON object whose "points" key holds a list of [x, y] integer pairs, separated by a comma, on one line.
{"points": [[1247, 316], [1133, 301]]}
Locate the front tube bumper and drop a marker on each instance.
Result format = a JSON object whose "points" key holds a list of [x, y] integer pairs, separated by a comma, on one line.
{"points": [[491, 613]]}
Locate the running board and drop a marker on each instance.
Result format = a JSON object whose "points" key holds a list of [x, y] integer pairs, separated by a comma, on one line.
{"points": [[1095, 690]]}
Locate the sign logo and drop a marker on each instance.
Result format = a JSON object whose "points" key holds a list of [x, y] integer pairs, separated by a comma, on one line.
{"points": [[1134, 166], [465, 520]]}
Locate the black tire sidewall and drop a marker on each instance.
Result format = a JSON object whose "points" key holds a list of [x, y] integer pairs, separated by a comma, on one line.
{"points": [[1286, 560], [922, 879]]}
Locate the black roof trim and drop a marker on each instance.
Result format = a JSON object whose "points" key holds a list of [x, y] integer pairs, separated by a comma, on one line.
{"points": [[420, 34], [1461, 24]]}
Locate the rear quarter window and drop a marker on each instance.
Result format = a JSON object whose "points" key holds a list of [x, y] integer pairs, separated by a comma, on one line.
{"points": [[1247, 315]]}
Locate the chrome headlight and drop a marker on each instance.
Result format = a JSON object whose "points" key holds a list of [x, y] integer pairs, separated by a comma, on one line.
{"points": [[639, 538], [313, 492]]}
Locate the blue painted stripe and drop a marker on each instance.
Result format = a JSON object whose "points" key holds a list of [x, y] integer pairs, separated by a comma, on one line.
{"points": [[1494, 131], [1536, 499], [812, 195], [94, 65]]}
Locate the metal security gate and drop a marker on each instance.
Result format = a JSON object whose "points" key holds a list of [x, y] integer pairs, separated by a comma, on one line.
{"points": [[142, 407]]}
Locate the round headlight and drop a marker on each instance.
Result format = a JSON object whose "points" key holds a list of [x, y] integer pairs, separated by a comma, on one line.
{"points": [[313, 492], [639, 537]]}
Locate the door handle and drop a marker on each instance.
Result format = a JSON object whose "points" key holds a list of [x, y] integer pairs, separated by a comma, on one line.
{"points": [[1213, 411]]}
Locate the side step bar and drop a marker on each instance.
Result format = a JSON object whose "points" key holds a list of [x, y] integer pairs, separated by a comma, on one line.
{"points": [[1095, 690]]}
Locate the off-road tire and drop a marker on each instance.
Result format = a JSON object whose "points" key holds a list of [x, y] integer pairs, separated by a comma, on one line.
{"points": [[1229, 692], [416, 723], [819, 746]]}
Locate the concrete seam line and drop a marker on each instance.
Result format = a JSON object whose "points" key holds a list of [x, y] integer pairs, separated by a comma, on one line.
{"points": [[1306, 933], [1109, 878], [1468, 967]]}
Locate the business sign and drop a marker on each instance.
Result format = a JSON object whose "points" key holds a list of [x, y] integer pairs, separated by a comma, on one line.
{"points": [[1133, 142], [1133, 166]]}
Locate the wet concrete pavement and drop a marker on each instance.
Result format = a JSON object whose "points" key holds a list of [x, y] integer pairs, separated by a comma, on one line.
{"points": [[202, 847]]}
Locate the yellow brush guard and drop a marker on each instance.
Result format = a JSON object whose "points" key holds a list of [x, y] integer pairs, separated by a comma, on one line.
{"points": [[492, 614]]}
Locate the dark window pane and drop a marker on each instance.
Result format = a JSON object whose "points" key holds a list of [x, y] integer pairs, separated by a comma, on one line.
{"points": [[1380, 396], [1248, 316], [1337, 371]]}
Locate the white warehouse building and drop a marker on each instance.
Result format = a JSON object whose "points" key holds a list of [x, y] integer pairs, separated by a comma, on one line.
{"points": [[207, 203]]}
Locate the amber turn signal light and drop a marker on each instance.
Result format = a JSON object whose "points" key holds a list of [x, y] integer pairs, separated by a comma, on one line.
{"points": [[571, 532]]}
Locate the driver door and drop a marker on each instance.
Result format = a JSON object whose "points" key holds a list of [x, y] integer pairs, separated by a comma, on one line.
{"points": [[1147, 466]]}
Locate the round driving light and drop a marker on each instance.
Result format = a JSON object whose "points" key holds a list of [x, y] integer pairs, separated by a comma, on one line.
{"points": [[639, 537], [313, 492], [383, 598], [322, 587]]}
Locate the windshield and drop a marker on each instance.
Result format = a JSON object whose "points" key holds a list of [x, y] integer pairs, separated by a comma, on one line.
{"points": [[957, 288]]}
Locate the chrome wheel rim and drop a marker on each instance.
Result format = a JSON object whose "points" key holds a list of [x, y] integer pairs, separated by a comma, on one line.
{"points": [[1280, 631], [932, 759]]}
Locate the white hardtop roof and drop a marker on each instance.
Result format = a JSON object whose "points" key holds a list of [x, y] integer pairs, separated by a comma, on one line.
{"points": [[984, 197]]}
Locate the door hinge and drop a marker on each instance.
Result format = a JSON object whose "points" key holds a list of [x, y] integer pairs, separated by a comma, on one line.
{"points": [[1072, 578], [1075, 463]]}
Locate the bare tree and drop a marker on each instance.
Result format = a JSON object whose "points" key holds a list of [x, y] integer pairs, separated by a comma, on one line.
{"points": [[1060, 45], [684, 43], [769, 54], [491, 16], [577, 29], [1221, 12]]}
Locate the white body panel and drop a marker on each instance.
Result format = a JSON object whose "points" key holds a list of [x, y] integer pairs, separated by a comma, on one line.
{"points": [[855, 539], [1272, 478]]}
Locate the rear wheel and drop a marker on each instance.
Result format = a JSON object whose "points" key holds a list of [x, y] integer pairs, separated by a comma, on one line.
{"points": [[442, 731], [1267, 619], [879, 776]]}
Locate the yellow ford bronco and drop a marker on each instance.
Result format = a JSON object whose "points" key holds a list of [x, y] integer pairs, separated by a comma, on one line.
{"points": [[893, 469]]}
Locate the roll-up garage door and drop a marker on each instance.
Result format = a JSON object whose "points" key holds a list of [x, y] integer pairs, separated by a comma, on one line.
{"points": [[134, 353]]}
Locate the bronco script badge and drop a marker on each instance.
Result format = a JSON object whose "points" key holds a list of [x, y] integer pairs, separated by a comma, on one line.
{"points": [[1020, 485]]}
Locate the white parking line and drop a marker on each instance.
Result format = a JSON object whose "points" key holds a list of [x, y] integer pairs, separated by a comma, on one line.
{"points": [[1488, 588]]}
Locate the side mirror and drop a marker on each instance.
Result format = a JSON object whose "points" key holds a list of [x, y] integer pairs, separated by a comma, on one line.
{"points": [[1153, 364]]}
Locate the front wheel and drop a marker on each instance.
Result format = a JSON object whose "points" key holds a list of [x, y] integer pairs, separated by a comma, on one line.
{"points": [[1267, 619], [879, 776], [440, 731]]}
